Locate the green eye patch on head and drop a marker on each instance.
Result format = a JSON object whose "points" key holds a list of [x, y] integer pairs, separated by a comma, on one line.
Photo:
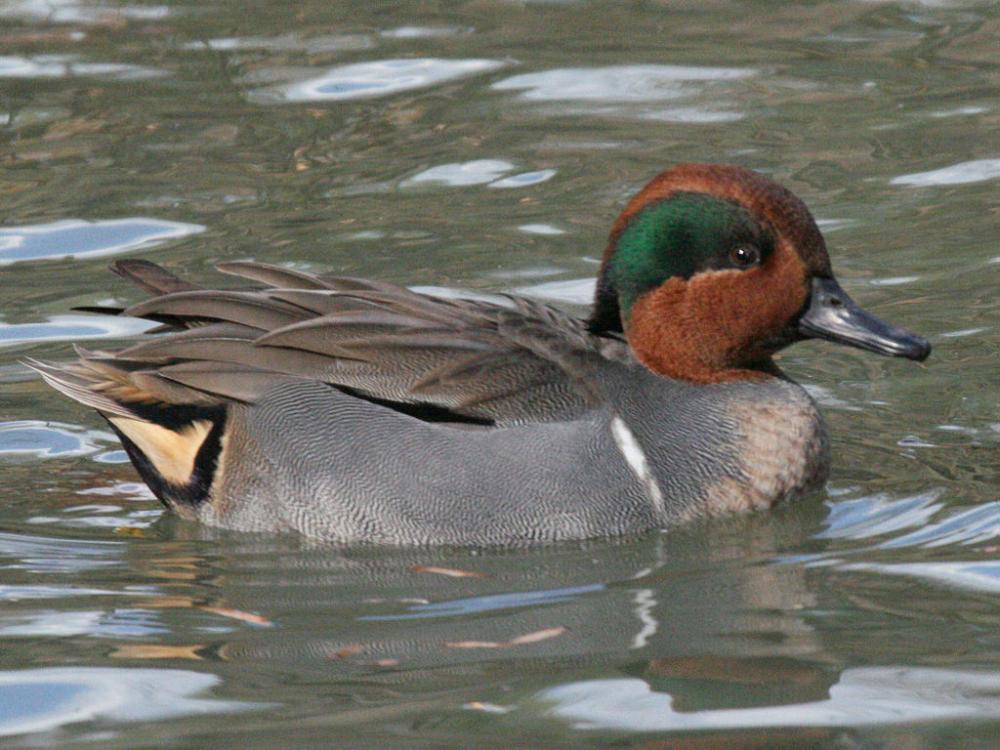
{"points": [[680, 236]]}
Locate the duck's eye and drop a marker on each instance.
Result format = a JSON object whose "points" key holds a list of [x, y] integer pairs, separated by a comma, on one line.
{"points": [[744, 256]]}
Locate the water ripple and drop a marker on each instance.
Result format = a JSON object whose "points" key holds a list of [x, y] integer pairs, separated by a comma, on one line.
{"points": [[970, 526], [376, 78], [66, 66], [119, 623], [424, 32], [965, 172], [524, 179], [39, 700], [573, 291], [287, 42], [617, 83], [76, 238], [861, 697], [72, 328], [630, 85], [980, 575], [75, 11], [875, 515], [42, 554], [461, 174], [489, 603], [49, 439]]}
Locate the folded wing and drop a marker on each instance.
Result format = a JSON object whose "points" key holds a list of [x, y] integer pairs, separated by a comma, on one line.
{"points": [[440, 359]]}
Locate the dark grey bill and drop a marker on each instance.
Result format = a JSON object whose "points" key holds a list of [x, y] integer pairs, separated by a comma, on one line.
{"points": [[834, 316]]}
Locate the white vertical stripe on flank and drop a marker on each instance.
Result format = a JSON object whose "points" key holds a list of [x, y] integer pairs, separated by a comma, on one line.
{"points": [[636, 461]]}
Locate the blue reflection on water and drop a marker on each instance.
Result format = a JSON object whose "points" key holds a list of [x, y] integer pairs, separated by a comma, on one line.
{"points": [[39, 700], [49, 439], [74, 238], [490, 603], [72, 328]]}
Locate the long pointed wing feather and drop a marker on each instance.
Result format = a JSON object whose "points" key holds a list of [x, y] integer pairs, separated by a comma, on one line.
{"points": [[506, 363]]}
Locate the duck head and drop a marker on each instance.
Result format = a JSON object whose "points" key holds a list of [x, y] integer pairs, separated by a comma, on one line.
{"points": [[711, 269]]}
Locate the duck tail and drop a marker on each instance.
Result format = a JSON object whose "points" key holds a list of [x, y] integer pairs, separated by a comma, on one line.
{"points": [[175, 447]]}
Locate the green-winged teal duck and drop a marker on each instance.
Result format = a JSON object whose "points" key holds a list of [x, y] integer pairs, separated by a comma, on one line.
{"points": [[354, 410]]}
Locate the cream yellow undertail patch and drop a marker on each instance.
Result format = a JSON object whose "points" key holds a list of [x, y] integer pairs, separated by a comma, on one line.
{"points": [[172, 452]]}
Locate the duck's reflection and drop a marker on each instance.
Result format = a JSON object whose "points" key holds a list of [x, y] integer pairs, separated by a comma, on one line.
{"points": [[660, 600], [704, 621]]}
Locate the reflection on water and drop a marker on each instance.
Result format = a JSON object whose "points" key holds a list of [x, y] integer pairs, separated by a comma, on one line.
{"points": [[378, 78], [424, 32], [524, 179], [470, 150], [459, 175], [71, 328], [49, 439], [956, 174], [626, 83], [594, 89], [73, 238], [79, 11], [312, 44], [880, 695], [39, 700], [572, 291], [64, 66]]}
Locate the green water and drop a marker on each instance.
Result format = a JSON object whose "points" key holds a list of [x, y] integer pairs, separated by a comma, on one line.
{"points": [[488, 146]]}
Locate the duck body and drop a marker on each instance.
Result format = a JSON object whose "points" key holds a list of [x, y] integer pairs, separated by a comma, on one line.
{"points": [[359, 411], [619, 468]]}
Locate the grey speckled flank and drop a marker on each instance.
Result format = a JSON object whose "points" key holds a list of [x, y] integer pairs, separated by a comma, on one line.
{"points": [[335, 467]]}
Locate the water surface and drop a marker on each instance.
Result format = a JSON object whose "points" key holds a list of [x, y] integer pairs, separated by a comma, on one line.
{"points": [[487, 147]]}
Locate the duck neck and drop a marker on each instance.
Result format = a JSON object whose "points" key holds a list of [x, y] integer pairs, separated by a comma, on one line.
{"points": [[606, 316], [674, 347]]}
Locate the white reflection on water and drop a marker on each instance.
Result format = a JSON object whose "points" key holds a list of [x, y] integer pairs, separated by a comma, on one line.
{"points": [[377, 78], [107, 517], [875, 515], [974, 525], [893, 280], [980, 575], [543, 229], [691, 115], [43, 554], [861, 697], [878, 515], [287, 42], [16, 593], [617, 83], [52, 623], [451, 293], [524, 179], [979, 170], [573, 291], [76, 238], [632, 85], [72, 328], [460, 174], [66, 66], [75, 11], [33, 437], [117, 623], [39, 700], [424, 32]]}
